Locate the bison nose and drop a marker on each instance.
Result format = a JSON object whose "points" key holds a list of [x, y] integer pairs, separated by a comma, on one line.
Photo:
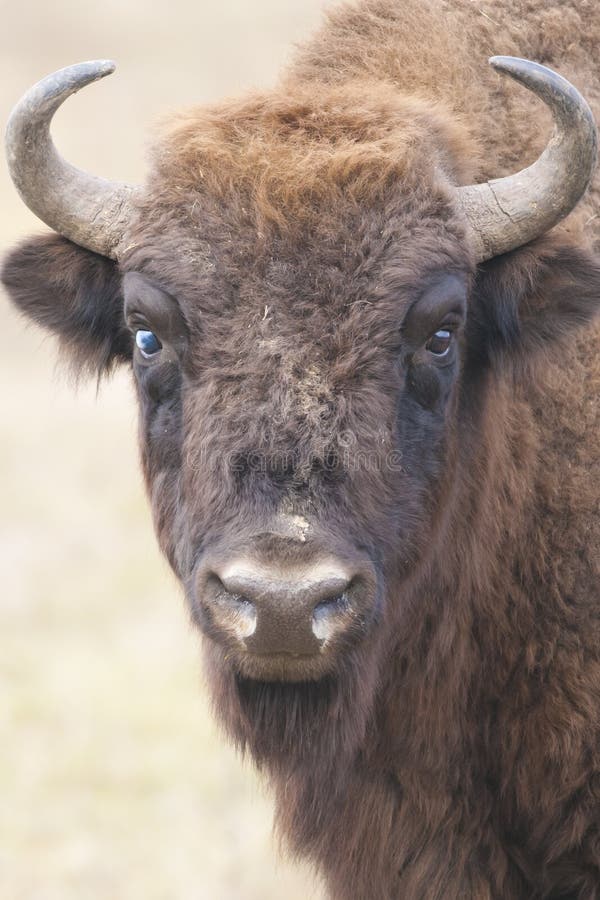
{"points": [[271, 613]]}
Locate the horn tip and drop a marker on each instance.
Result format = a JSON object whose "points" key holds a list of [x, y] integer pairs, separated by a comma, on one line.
{"points": [[83, 73], [107, 65], [99, 67], [511, 63], [499, 59]]}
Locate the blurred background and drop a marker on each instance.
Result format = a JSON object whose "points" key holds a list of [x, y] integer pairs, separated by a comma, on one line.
{"points": [[114, 782]]}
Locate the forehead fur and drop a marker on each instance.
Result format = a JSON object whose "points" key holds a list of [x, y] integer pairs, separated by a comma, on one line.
{"points": [[299, 222], [287, 159]]}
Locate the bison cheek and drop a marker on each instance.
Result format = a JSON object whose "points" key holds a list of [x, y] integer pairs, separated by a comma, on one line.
{"points": [[160, 436]]}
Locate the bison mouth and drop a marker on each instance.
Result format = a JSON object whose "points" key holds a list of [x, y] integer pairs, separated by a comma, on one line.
{"points": [[287, 668]]}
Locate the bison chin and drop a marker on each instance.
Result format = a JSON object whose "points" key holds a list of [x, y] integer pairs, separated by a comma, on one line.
{"points": [[287, 726]]}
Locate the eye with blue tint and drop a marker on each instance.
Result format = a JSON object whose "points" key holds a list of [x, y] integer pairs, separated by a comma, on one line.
{"points": [[440, 343], [147, 343]]}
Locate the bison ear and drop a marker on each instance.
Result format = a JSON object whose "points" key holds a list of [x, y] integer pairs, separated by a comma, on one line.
{"points": [[530, 298], [74, 293]]}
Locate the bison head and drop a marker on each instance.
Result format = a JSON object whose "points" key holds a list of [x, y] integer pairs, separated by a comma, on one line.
{"points": [[295, 289]]}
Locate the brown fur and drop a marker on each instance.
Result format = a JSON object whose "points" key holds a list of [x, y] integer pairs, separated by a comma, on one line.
{"points": [[454, 751]]}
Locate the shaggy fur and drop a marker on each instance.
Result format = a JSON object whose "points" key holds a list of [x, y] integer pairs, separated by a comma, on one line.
{"points": [[290, 244]]}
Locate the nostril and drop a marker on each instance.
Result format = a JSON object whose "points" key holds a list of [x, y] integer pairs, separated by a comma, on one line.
{"points": [[327, 614], [234, 612]]}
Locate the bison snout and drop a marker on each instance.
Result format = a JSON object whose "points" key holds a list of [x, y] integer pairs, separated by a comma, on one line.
{"points": [[295, 612]]}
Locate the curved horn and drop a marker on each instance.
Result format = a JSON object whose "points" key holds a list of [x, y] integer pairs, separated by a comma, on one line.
{"points": [[508, 212], [90, 211]]}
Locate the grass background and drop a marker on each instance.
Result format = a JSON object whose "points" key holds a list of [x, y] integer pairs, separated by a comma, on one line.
{"points": [[114, 782]]}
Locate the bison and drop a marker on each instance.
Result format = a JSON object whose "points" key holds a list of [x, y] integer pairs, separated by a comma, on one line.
{"points": [[360, 311]]}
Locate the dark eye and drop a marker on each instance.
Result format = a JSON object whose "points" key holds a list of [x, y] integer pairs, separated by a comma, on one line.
{"points": [[440, 343], [147, 343]]}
